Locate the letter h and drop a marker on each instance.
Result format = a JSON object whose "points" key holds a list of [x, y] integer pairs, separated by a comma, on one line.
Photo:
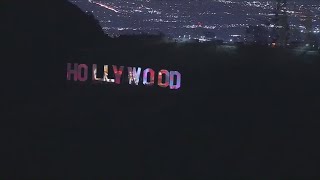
{"points": [[73, 71]]}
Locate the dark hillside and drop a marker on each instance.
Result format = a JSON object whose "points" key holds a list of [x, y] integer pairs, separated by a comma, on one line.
{"points": [[245, 112]]}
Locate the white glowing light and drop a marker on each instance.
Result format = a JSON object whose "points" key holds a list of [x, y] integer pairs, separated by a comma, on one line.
{"points": [[104, 6]]}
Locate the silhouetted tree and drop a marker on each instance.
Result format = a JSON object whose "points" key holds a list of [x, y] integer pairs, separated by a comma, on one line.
{"points": [[257, 35], [281, 26], [296, 37], [310, 38]]}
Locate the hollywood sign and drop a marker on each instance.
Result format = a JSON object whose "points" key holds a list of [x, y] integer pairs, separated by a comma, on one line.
{"points": [[165, 78]]}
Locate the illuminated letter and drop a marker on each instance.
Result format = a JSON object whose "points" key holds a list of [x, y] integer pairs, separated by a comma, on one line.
{"points": [[94, 73], [160, 78], [73, 71], [84, 68], [178, 82], [105, 74], [145, 77], [134, 75], [117, 73]]}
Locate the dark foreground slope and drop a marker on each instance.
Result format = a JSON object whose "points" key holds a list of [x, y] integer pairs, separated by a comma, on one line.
{"points": [[36, 35], [252, 112]]}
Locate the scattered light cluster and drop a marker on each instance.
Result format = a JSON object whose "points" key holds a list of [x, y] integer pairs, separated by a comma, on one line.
{"points": [[205, 19]]}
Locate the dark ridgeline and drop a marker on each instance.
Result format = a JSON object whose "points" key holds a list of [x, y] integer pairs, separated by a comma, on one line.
{"points": [[250, 112], [36, 35]]}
